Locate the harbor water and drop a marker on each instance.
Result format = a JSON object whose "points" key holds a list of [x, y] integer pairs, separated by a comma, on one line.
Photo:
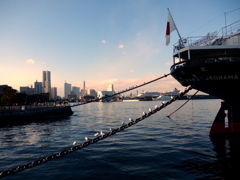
{"points": [[155, 148]]}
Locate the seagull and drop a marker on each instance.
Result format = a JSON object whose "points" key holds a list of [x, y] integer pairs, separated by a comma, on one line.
{"points": [[150, 110], [123, 123], [110, 129], [144, 113], [97, 134], [156, 106], [102, 134], [74, 143], [86, 138], [130, 119]]}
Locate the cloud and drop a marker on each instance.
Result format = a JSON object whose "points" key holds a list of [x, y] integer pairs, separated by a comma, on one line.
{"points": [[103, 41], [168, 63], [132, 71], [121, 46], [30, 61]]}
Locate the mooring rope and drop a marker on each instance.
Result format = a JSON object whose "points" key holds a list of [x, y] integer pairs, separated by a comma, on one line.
{"points": [[123, 91], [95, 140], [183, 104]]}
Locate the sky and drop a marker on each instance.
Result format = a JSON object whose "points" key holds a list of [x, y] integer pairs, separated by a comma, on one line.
{"points": [[101, 42]]}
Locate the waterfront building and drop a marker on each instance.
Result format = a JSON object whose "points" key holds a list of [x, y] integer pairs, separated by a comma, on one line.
{"points": [[76, 91], [46, 82], [38, 88], [26, 90], [54, 93], [110, 91], [110, 88], [92, 92], [67, 89]]}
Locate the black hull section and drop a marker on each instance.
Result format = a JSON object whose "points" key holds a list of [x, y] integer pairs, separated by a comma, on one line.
{"points": [[217, 79]]}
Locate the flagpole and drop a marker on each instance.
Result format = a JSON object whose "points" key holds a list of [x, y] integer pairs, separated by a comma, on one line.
{"points": [[176, 28]]}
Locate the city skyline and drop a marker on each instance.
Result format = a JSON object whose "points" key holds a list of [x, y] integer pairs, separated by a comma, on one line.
{"points": [[100, 42]]}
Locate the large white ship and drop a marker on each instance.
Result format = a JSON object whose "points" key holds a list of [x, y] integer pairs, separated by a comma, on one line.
{"points": [[149, 94], [175, 92]]}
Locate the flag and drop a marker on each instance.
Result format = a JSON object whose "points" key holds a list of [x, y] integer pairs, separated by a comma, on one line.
{"points": [[170, 27]]}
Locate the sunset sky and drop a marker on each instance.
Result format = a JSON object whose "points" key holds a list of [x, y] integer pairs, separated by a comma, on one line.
{"points": [[101, 42]]}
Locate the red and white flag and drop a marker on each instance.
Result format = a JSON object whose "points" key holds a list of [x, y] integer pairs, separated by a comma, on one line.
{"points": [[170, 27]]}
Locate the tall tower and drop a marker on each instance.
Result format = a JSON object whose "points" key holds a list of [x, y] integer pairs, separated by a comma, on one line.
{"points": [[84, 88], [38, 87], [67, 89], [46, 82]]}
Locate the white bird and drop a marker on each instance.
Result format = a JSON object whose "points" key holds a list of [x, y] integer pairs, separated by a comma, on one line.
{"points": [[150, 110], [130, 119], [156, 106], [144, 113], [97, 134], [110, 129], [123, 123], [102, 134], [74, 143], [86, 138]]}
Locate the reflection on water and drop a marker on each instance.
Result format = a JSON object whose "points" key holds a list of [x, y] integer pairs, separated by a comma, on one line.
{"points": [[156, 148]]}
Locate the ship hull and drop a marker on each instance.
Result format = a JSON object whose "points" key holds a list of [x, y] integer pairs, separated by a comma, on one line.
{"points": [[217, 79]]}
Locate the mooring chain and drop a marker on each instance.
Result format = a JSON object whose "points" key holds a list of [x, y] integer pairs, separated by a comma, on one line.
{"points": [[183, 104], [123, 91], [96, 139]]}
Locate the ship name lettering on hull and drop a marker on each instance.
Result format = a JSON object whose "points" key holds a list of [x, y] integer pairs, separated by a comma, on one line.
{"points": [[195, 78]]}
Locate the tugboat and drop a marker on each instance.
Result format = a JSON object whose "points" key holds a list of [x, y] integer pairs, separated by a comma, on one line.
{"points": [[211, 64]]}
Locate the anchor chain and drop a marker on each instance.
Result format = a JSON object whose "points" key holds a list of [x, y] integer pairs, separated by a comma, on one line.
{"points": [[123, 91], [95, 140]]}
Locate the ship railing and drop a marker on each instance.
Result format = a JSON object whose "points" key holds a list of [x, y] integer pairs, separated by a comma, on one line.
{"points": [[211, 39], [178, 65], [230, 29], [207, 40]]}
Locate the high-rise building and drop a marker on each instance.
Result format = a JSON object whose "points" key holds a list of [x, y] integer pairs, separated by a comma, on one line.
{"points": [[54, 93], [83, 91], [92, 92], [110, 88], [38, 87], [46, 82], [26, 89], [67, 89], [76, 91]]}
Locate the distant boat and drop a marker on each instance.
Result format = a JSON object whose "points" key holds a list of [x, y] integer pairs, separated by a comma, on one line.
{"points": [[162, 98], [148, 94], [175, 92]]}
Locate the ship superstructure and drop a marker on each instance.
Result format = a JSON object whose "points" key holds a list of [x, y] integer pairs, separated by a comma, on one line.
{"points": [[211, 64]]}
